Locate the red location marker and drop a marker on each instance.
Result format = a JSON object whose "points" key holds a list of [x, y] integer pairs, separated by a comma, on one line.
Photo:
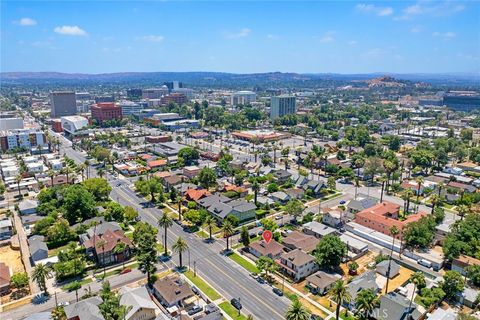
{"points": [[267, 236]]}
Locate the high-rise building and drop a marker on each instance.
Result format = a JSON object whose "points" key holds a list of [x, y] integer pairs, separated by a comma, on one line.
{"points": [[130, 108], [63, 103], [106, 111], [154, 93], [173, 85], [462, 100], [243, 97], [282, 105]]}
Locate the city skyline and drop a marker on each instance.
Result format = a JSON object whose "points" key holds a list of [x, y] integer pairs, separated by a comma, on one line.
{"points": [[311, 37]]}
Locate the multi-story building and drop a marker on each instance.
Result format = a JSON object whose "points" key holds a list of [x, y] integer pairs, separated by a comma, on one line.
{"points": [[72, 124], [106, 111], [243, 97], [11, 123], [282, 105], [178, 98], [155, 93], [297, 264], [130, 108], [134, 93], [22, 138], [462, 100], [63, 103], [172, 85]]}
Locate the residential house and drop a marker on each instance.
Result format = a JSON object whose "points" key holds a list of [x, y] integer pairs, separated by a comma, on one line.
{"points": [[318, 229], [355, 248], [281, 176], [280, 197], [195, 195], [361, 203], [272, 249], [469, 297], [38, 248], [295, 193], [87, 309], [6, 228], [139, 304], [394, 306], [332, 217], [462, 187], [172, 181], [382, 268], [171, 291], [191, 171], [416, 188], [383, 216], [102, 246], [315, 186], [28, 206], [321, 282], [207, 202], [297, 264], [463, 262], [239, 208], [5, 274], [364, 281], [157, 164], [299, 240]]}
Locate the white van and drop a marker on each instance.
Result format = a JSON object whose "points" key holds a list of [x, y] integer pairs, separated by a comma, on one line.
{"points": [[425, 263]]}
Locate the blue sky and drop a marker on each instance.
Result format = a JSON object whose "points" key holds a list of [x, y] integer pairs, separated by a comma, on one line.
{"points": [[241, 37]]}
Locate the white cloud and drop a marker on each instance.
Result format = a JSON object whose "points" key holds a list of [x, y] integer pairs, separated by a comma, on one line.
{"points": [[272, 36], [370, 8], [27, 22], [151, 38], [430, 8], [446, 35], [242, 33], [352, 42], [327, 37], [70, 31], [415, 29]]}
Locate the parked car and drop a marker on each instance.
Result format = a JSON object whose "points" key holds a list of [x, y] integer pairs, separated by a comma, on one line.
{"points": [[236, 303], [195, 309], [425, 263], [278, 292], [261, 280], [195, 290], [253, 275]]}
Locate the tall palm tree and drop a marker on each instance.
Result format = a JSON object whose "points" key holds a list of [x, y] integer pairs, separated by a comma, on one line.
{"points": [[180, 246], [365, 303], [87, 167], [18, 179], [100, 173], [340, 295], [165, 222], [255, 188], [102, 244], [120, 248], [419, 181], [393, 232], [51, 174], [441, 185], [434, 199], [418, 280], [67, 170], [228, 230], [210, 224], [382, 179], [40, 275], [297, 311]]}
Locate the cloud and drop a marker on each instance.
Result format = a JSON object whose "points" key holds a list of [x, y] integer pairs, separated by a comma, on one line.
{"points": [[431, 8], [272, 36], [370, 8], [242, 33], [446, 35], [26, 22], [151, 38], [352, 43], [415, 29], [70, 31], [327, 37]]}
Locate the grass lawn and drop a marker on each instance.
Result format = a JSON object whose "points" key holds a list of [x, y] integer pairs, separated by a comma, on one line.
{"points": [[160, 248], [54, 252], [231, 311], [203, 286], [129, 235], [202, 234], [82, 282], [244, 263]]}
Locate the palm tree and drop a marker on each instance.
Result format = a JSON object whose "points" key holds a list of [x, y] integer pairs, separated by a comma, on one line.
{"points": [[165, 222], [441, 185], [51, 175], [365, 303], [120, 248], [393, 232], [462, 210], [340, 295], [255, 188], [210, 224], [40, 275], [100, 173], [418, 280], [18, 179], [297, 311], [180, 246], [102, 244], [419, 181], [434, 199], [382, 179], [228, 230], [87, 167], [67, 171]]}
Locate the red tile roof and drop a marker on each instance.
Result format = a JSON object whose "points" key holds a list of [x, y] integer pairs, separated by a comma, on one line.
{"points": [[107, 241], [194, 195], [157, 163]]}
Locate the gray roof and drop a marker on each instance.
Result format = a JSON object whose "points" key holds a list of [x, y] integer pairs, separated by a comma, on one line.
{"points": [[5, 223], [318, 228], [30, 218], [36, 244], [85, 309], [220, 209], [27, 204], [280, 195], [382, 268], [137, 298], [362, 204], [102, 227], [39, 316], [365, 281], [241, 205], [214, 198], [394, 306]]}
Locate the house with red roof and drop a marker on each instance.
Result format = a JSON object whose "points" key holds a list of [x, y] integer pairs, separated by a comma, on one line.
{"points": [[102, 244], [195, 195]]}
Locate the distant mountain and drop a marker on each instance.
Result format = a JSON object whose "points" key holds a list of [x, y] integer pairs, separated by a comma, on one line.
{"points": [[219, 79]]}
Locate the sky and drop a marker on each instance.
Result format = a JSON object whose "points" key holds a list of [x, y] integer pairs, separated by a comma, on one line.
{"points": [[240, 37]]}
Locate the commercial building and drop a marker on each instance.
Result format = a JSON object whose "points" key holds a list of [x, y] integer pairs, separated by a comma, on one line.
{"points": [[106, 111], [11, 123], [259, 135], [462, 100], [57, 125], [63, 103], [130, 108], [243, 97], [282, 105], [173, 85], [22, 138], [178, 98], [155, 93], [73, 124], [134, 93]]}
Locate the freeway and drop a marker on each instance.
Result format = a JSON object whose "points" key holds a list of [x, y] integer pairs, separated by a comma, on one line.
{"points": [[226, 276]]}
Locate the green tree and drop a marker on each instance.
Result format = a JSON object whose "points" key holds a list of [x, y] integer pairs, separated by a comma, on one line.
{"points": [[180, 246], [210, 223], [267, 265], [340, 295], [294, 208], [60, 233], [189, 155], [452, 284], [365, 303], [144, 238], [114, 211], [98, 187], [431, 296], [245, 236], [297, 311], [121, 248], [228, 230], [330, 251], [129, 214], [40, 275], [78, 205], [331, 183], [207, 178], [196, 217], [165, 222], [418, 280], [19, 280], [256, 189], [420, 234]]}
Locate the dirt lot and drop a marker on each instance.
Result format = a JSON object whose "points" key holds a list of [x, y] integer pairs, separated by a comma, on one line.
{"points": [[12, 259]]}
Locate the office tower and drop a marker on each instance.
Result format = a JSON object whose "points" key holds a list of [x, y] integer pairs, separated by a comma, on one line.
{"points": [[106, 111], [282, 105], [63, 103]]}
